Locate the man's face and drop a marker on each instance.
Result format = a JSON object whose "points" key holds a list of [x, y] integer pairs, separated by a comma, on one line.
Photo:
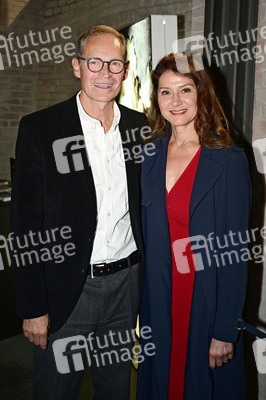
{"points": [[102, 86]]}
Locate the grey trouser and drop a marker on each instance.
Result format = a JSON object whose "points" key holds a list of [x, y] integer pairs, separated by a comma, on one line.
{"points": [[103, 318]]}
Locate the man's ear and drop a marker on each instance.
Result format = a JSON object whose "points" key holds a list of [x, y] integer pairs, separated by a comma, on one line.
{"points": [[76, 67], [126, 70]]}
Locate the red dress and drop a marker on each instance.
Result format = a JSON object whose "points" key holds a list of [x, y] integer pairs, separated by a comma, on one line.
{"points": [[178, 200]]}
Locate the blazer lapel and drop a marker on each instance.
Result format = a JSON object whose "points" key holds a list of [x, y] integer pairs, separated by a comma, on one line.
{"points": [[71, 126], [207, 174], [131, 166]]}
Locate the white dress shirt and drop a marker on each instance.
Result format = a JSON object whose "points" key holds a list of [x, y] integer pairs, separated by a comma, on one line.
{"points": [[113, 237]]}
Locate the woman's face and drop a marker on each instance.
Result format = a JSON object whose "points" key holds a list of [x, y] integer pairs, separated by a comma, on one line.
{"points": [[177, 98]]}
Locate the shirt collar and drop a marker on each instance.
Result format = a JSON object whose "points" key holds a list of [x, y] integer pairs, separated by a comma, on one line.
{"points": [[91, 122]]}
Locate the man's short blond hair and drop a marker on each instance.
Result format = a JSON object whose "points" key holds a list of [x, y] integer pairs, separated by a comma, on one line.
{"points": [[100, 30]]}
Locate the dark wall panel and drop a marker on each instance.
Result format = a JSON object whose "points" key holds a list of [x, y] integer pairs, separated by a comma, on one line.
{"points": [[232, 26]]}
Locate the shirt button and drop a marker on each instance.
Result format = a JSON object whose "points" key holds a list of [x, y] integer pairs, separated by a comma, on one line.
{"points": [[109, 188], [107, 241], [83, 271], [107, 160], [109, 214]]}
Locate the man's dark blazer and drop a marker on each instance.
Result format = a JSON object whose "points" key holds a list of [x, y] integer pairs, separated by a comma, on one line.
{"points": [[44, 199]]}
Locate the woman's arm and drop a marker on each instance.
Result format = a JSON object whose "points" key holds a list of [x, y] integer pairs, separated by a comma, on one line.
{"points": [[232, 275]]}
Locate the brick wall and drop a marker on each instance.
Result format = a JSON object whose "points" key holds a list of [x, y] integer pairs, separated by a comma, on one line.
{"points": [[197, 23], [9, 10], [40, 83], [18, 85]]}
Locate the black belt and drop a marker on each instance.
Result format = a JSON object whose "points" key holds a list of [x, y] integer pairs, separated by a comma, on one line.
{"points": [[115, 266]]}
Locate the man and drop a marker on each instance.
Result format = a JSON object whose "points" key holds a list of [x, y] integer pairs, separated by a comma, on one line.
{"points": [[88, 303]]}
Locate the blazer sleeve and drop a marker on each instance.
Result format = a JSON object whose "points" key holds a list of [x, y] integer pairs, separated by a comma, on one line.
{"points": [[27, 216], [232, 276]]}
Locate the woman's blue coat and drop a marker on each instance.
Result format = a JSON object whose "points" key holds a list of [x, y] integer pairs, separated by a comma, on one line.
{"points": [[220, 204]]}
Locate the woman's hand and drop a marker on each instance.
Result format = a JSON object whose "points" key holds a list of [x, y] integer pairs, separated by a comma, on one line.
{"points": [[219, 353]]}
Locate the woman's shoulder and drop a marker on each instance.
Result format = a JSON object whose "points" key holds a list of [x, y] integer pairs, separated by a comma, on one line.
{"points": [[230, 151], [232, 158]]}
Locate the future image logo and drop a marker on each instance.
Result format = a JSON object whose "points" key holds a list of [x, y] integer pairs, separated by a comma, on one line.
{"points": [[70, 154], [196, 253], [71, 354], [232, 47], [74, 353], [195, 44], [188, 253], [6, 253], [32, 248], [30, 48]]}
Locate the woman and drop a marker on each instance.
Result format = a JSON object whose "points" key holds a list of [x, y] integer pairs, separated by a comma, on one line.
{"points": [[195, 204]]}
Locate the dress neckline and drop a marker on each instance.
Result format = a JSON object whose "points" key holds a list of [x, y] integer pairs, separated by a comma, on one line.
{"points": [[185, 170]]}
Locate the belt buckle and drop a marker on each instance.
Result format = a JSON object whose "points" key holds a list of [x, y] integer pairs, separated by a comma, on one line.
{"points": [[97, 265]]}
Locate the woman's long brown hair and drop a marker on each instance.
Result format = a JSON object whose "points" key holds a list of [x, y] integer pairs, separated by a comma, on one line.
{"points": [[210, 122]]}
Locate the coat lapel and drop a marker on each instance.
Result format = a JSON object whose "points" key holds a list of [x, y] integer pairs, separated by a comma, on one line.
{"points": [[207, 174], [155, 170]]}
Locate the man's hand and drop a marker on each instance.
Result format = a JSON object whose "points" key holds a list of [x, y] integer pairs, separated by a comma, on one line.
{"points": [[219, 353], [36, 330]]}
